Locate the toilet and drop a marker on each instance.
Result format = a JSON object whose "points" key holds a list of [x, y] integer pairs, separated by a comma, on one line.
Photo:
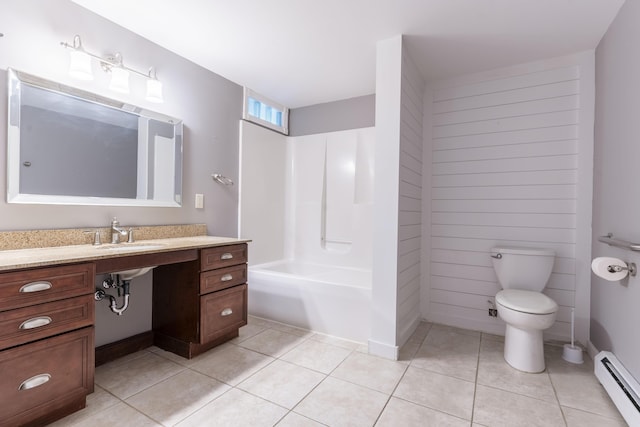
{"points": [[523, 273]]}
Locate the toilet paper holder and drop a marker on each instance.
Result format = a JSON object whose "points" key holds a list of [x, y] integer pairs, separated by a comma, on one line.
{"points": [[631, 267]]}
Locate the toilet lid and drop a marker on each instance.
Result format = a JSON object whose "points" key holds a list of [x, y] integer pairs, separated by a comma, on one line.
{"points": [[526, 301]]}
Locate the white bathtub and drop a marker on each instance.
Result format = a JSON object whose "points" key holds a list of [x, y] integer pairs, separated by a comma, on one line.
{"points": [[323, 298]]}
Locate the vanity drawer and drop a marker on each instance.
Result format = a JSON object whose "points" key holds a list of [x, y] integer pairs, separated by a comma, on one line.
{"points": [[223, 256], [222, 278], [44, 376], [28, 324], [29, 287], [222, 312]]}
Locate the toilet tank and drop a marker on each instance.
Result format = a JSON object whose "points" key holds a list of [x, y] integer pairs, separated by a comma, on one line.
{"points": [[522, 268]]}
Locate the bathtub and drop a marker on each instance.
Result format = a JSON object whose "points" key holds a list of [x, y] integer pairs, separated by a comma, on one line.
{"points": [[323, 298]]}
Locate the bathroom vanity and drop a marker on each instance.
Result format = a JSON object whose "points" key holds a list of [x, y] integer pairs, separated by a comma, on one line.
{"points": [[47, 314]]}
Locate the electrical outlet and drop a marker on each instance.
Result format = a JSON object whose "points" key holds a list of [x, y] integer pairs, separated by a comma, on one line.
{"points": [[493, 312]]}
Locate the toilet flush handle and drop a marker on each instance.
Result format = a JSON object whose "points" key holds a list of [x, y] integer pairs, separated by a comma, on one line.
{"points": [[497, 256]]}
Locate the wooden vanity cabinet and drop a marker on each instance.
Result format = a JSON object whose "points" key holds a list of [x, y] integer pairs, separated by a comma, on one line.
{"points": [[202, 303], [46, 343]]}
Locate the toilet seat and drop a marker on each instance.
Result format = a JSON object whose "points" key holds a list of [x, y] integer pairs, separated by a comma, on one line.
{"points": [[526, 301]]}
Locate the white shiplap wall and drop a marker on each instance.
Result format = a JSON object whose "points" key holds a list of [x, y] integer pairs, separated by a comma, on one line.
{"points": [[410, 199], [504, 171]]}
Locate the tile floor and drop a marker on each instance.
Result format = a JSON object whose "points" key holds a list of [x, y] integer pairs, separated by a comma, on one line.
{"points": [[274, 374]]}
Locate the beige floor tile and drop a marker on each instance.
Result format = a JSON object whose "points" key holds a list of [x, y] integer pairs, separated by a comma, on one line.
{"points": [[136, 374], [97, 401], [317, 355], [440, 392], [282, 383], [399, 412], [177, 397], [555, 363], [493, 371], [447, 351], [116, 416], [492, 337], [370, 371], [408, 351], [577, 418], [576, 385], [171, 356], [495, 407], [246, 332], [338, 403], [231, 364], [363, 348], [272, 342], [296, 420], [584, 392], [446, 328], [236, 408], [293, 330], [421, 332], [338, 342]]}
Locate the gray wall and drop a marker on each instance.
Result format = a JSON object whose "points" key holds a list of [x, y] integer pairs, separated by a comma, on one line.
{"points": [[209, 105], [345, 114], [616, 209]]}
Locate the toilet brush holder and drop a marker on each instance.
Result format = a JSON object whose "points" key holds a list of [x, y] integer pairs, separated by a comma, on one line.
{"points": [[572, 354]]}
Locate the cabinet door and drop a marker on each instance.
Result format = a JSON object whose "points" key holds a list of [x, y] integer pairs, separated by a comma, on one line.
{"points": [[43, 376], [222, 312]]}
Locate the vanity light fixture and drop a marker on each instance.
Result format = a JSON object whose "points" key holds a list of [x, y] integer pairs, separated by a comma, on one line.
{"points": [[79, 61], [154, 87], [80, 67]]}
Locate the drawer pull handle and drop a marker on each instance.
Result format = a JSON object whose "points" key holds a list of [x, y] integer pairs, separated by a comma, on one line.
{"points": [[226, 277], [36, 287], [226, 312], [227, 255], [34, 382], [35, 322]]}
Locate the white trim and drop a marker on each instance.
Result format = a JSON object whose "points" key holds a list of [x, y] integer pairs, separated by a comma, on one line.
{"points": [[384, 350], [248, 93], [592, 350]]}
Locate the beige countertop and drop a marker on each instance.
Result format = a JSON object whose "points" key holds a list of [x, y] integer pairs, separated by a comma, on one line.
{"points": [[38, 257]]}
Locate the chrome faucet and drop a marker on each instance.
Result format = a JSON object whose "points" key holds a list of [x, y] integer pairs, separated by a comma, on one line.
{"points": [[116, 231]]}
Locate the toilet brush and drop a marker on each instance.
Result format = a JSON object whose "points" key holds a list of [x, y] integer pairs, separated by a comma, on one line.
{"points": [[572, 353]]}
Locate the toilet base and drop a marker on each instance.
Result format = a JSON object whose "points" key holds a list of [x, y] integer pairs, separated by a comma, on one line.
{"points": [[523, 349]]}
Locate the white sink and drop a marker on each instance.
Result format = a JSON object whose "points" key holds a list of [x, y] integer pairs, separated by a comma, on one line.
{"points": [[134, 272], [128, 247]]}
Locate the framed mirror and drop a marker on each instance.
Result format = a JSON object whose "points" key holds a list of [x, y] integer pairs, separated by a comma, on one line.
{"points": [[68, 146]]}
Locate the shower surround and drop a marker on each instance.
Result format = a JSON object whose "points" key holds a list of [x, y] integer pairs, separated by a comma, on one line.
{"points": [[307, 203]]}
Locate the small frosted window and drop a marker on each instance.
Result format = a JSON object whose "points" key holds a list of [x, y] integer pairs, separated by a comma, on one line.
{"points": [[260, 110]]}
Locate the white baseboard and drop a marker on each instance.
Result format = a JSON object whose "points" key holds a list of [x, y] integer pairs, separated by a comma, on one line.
{"points": [[384, 350], [490, 326], [591, 350]]}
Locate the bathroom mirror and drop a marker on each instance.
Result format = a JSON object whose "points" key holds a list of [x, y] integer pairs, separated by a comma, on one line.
{"points": [[68, 146]]}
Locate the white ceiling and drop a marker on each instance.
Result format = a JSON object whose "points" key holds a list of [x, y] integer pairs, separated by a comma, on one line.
{"points": [[305, 52]]}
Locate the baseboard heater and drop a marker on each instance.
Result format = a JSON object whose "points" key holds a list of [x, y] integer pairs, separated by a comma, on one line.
{"points": [[623, 389]]}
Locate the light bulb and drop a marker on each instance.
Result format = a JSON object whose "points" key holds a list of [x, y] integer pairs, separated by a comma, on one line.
{"points": [[119, 80], [80, 65], [154, 91]]}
